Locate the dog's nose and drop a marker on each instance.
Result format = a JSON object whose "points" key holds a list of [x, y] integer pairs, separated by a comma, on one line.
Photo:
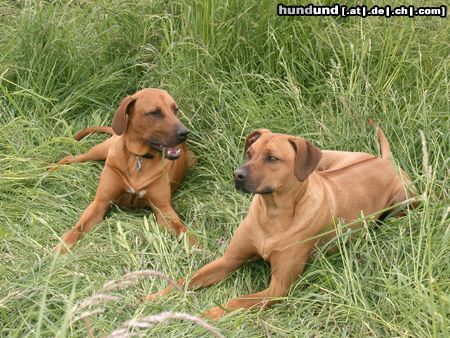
{"points": [[240, 175], [182, 133]]}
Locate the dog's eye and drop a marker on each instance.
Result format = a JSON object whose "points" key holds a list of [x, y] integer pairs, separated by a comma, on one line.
{"points": [[177, 110], [155, 113], [247, 156], [271, 158]]}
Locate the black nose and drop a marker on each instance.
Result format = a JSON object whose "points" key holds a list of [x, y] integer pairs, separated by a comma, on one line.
{"points": [[182, 133], [240, 175]]}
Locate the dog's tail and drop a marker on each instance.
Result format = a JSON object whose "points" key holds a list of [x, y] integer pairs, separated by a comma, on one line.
{"points": [[101, 129], [385, 148]]}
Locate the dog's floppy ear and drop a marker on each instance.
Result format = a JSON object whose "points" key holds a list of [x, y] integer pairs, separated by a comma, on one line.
{"points": [[253, 136], [120, 119], [307, 157]]}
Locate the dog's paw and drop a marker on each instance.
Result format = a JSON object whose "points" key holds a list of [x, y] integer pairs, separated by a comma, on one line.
{"points": [[152, 297], [214, 313], [165, 292], [61, 248], [52, 167], [193, 241]]}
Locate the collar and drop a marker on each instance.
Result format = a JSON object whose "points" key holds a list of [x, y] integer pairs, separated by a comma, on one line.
{"points": [[148, 156], [139, 158]]}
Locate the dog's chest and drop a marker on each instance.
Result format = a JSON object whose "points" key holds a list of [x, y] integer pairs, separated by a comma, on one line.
{"points": [[266, 246], [139, 193], [278, 235], [137, 183], [267, 242]]}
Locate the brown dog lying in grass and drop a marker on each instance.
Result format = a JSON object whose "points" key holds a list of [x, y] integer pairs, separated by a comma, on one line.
{"points": [[146, 161], [298, 201]]}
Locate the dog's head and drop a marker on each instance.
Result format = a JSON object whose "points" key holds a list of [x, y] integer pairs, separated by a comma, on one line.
{"points": [[149, 118], [274, 162]]}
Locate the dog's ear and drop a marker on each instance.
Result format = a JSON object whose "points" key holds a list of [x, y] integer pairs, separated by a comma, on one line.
{"points": [[120, 119], [307, 157], [253, 136]]}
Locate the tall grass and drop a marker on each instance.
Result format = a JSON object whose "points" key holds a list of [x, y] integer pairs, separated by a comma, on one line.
{"points": [[232, 66]]}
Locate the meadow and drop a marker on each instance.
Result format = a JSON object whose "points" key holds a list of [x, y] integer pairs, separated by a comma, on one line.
{"points": [[232, 66]]}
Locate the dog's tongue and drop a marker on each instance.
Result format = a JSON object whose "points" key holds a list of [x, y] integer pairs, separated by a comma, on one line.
{"points": [[172, 152]]}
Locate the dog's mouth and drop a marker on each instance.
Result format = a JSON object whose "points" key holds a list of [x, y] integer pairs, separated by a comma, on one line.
{"points": [[171, 153], [245, 188]]}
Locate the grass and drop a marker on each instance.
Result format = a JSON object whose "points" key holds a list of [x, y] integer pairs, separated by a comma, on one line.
{"points": [[232, 66]]}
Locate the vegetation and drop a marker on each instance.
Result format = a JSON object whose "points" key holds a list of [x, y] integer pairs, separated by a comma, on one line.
{"points": [[232, 66]]}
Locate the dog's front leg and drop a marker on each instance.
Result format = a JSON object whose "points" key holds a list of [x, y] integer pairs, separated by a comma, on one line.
{"points": [[93, 214], [239, 251], [286, 266], [168, 218], [108, 190], [159, 198], [210, 274]]}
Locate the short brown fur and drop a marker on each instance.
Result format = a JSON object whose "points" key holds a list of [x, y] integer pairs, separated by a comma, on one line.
{"points": [[145, 118], [295, 208]]}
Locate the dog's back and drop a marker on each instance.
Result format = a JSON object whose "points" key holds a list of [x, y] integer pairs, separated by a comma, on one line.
{"points": [[367, 183]]}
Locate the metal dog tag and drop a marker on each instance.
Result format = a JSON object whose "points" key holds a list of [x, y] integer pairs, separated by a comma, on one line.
{"points": [[138, 164]]}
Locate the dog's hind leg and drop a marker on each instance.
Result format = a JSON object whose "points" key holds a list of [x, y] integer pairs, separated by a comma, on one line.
{"points": [[405, 198], [99, 152]]}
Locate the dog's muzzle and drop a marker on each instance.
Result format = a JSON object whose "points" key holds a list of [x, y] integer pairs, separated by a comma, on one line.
{"points": [[240, 177], [172, 152], [244, 184], [182, 134]]}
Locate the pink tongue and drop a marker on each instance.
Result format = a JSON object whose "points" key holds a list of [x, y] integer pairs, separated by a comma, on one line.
{"points": [[172, 151]]}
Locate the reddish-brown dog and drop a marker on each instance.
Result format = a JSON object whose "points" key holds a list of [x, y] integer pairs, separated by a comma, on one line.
{"points": [[299, 200], [145, 162]]}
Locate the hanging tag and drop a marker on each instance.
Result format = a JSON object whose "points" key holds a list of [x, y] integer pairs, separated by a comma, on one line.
{"points": [[138, 164]]}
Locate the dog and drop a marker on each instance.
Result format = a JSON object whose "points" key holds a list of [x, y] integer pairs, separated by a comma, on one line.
{"points": [[146, 161], [301, 193]]}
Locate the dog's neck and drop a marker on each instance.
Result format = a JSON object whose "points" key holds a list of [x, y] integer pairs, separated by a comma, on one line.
{"points": [[284, 198], [135, 148], [280, 206]]}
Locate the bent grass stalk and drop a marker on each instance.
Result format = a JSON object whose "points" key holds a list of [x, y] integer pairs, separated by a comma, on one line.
{"points": [[150, 321], [131, 279]]}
